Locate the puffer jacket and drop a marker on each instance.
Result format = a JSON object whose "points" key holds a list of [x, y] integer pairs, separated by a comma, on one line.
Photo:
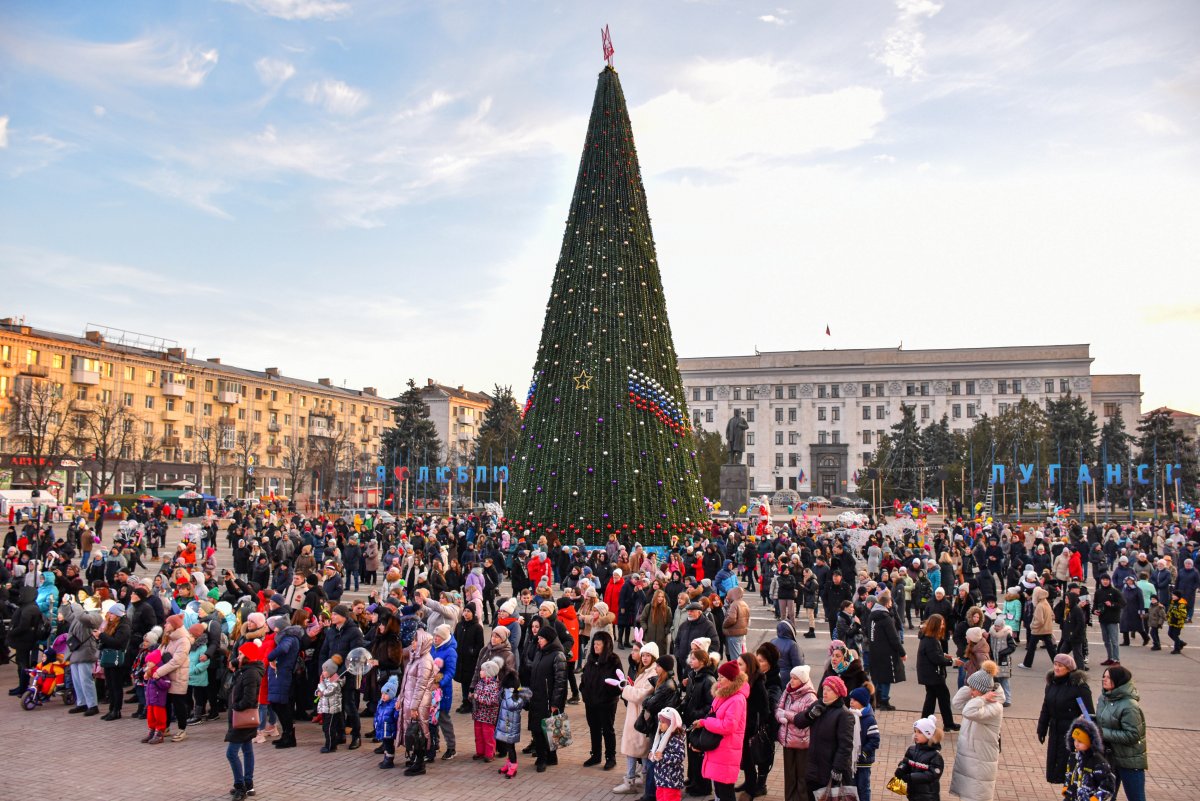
{"points": [[831, 744], [548, 680], [737, 614], [386, 715], [793, 704], [283, 656], [922, 768], [489, 652], [1123, 726], [508, 722], [728, 719], [790, 655], [197, 670], [178, 666], [416, 689], [448, 653], [80, 625], [975, 762], [1043, 614], [699, 698]]}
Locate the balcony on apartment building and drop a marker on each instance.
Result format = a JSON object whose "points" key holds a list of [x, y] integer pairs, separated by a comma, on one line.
{"points": [[80, 375], [229, 397], [174, 389]]}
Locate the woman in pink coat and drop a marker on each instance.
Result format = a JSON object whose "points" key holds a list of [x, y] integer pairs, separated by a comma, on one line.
{"points": [[728, 719]]}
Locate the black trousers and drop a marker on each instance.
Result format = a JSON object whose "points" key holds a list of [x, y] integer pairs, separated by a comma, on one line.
{"points": [[695, 760], [350, 708], [939, 695], [24, 663], [179, 709], [724, 792], [1031, 649], [541, 746], [287, 723], [601, 718]]}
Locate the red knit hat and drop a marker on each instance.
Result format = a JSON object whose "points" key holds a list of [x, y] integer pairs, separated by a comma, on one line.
{"points": [[836, 684], [731, 670]]}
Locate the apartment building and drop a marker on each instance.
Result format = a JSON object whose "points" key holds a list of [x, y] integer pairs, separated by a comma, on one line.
{"points": [[126, 413], [457, 413]]}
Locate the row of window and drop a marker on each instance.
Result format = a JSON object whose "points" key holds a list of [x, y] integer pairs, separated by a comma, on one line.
{"points": [[1014, 386]]}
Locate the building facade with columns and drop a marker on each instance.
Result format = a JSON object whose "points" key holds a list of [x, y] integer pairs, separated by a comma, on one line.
{"points": [[816, 417]]}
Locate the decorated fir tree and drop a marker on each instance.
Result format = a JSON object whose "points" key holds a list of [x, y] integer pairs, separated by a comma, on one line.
{"points": [[606, 444]]}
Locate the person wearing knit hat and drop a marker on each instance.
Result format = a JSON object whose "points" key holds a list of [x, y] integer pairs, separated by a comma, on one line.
{"points": [[256, 621], [802, 674], [1089, 774], [835, 685], [491, 668], [1066, 689], [977, 758], [667, 663], [728, 670], [861, 695], [927, 726], [173, 622], [277, 623]]}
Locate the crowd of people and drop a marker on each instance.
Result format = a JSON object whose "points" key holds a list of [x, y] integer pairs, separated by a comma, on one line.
{"points": [[462, 618]]}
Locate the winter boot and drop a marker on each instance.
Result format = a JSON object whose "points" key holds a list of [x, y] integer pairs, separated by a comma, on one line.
{"points": [[810, 634], [238, 793], [388, 762], [512, 771], [418, 766]]}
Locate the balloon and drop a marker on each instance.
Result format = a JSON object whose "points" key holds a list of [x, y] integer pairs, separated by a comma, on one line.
{"points": [[978, 506], [717, 506], [804, 507], [742, 511], [789, 510]]}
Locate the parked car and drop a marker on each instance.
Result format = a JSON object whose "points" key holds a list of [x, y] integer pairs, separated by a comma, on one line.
{"points": [[818, 500], [933, 502]]}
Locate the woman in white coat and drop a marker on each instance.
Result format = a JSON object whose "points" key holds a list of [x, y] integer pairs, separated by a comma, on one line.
{"points": [[635, 745], [978, 752]]}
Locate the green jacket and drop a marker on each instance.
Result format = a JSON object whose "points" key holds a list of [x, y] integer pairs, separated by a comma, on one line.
{"points": [[1123, 726]]}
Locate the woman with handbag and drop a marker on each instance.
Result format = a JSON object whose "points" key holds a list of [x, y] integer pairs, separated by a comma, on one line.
{"points": [[548, 683], [114, 647], [758, 712], [243, 720], [794, 704], [723, 761], [830, 770], [702, 678]]}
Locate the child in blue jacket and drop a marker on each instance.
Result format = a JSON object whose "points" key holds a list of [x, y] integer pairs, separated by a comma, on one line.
{"points": [[868, 740], [386, 717], [513, 698]]}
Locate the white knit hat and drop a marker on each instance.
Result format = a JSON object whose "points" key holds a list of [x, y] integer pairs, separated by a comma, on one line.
{"points": [[927, 726]]}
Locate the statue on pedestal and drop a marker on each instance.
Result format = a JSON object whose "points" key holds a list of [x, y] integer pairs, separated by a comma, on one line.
{"points": [[735, 436]]}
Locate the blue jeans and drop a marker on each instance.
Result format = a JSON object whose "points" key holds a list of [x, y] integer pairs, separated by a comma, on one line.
{"points": [[243, 767], [1112, 640], [354, 577], [883, 692], [266, 716], [862, 779], [1134, 782], [83, 684], [648, 790]]}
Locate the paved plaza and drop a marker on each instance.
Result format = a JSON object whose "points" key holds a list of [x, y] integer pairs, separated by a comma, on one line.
{"points": [[49, 751]]}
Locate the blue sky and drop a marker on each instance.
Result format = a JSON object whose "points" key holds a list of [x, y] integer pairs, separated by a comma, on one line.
{"points": [[372, 190]]}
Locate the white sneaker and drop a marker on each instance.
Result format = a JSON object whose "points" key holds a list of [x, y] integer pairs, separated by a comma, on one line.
{"points": [[627, 787]]}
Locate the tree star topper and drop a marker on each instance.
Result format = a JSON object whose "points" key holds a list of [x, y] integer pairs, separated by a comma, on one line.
{"points": [[583, 380], [606, 44]]}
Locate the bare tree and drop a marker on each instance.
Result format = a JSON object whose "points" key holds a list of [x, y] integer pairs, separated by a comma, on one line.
{"points": [[145, 451], [105, 432], [40, 426], [212, 443], [328, 455], [295, 461], [245, 454]]}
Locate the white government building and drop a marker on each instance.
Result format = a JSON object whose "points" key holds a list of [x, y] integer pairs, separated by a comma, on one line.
{"points": [[816, 415]]}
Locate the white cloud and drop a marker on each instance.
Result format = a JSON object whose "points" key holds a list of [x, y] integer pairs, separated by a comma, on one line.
{"points": [[772, 19], [99, 111], [336, 97], [903, 46], [77, 276], [274, 72], [154, 60], [749, 109], [195, 192], [1156, 124], [297, 9], [4, 131]]}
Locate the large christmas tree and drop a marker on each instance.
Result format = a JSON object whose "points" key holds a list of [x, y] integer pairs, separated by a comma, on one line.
{"points": [[606, 444]]}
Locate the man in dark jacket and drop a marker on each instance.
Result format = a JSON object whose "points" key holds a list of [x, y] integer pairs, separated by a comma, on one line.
{"points": [[696, 625], [340, 639], [836, 591], [886, 650], [1108, 604]]}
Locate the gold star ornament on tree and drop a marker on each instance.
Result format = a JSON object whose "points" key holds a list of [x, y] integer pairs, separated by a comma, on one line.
{"points": [[583, 380]]}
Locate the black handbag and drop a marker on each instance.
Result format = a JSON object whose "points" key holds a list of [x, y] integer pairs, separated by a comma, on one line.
{"points": [[703, 740]]}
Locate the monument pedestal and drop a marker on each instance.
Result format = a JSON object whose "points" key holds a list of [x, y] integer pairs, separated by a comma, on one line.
{"points": [[735, 487]]}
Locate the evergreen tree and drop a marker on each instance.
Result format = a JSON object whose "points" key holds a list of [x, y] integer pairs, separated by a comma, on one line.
{"points": [[1161, 442], [1073, 434], [413, 442], [606, 442], [1114, 442], [939, 450], [501, 428], [905, 458], [711, 454]]}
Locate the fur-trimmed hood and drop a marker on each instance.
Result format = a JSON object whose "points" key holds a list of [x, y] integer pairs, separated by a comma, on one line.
{"points": [[731, 688], [1075, 677], [1092, 730]]}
